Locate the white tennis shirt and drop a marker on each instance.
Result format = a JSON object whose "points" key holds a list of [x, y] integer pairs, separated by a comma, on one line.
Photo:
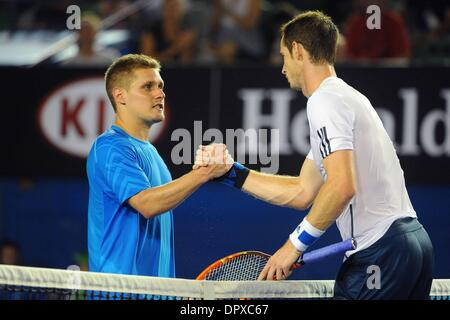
{"points": [[341, 118]]}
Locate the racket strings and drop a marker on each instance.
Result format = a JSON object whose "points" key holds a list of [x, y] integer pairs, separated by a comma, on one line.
{"points": [[241, 268]]}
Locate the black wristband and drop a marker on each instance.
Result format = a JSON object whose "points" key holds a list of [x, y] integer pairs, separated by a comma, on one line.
{"points": [[236, 176]]}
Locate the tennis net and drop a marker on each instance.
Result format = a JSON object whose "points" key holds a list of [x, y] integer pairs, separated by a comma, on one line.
{"points": [[27, 283]]}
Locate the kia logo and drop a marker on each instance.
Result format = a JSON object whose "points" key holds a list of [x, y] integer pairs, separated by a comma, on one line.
{"points": [[72, 116]]}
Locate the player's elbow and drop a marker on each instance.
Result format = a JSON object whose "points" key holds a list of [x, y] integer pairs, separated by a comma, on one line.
{"points": [[301, 199], [148, 213], [140, 203], [347, 190], [343, 186], [300, 203], [303, 206]]}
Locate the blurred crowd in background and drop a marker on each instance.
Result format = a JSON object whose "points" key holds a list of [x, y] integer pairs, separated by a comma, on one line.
{"points": [[11, 254], [200, 32]]}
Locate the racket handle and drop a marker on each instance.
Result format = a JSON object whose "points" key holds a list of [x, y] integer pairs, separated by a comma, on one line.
{"points": [[327, 251]]}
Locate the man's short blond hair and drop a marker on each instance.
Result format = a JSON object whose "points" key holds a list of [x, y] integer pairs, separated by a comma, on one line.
{"points": [[121, 72]]}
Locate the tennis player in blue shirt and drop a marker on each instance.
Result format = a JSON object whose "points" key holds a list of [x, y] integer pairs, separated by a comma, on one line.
{"points": [[131, 192]]}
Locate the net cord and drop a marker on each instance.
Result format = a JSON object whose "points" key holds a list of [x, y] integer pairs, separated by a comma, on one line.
{"points": [[209, 290]]}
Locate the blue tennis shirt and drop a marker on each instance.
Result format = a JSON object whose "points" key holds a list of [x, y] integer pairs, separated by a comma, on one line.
{"points": [[120, 240]]}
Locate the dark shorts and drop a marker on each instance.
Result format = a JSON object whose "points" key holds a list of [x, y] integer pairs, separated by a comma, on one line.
{"points": [[398, 266]]}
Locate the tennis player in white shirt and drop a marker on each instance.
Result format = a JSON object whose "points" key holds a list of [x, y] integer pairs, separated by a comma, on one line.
{"points": [[351, 176]]}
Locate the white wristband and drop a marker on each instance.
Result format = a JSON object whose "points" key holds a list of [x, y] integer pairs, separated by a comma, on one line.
{"points": [[305, 235]]}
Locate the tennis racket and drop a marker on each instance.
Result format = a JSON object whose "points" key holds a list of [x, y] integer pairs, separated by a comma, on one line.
{"points": [[247, 265]]}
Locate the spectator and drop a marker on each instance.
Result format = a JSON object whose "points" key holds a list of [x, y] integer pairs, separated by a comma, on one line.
{"points": [[107, 8], [282, 12], [81, 260], [364, 44], [235, 30], [88, 55], [426, 17], [429, 29], [173, 38], [9, 253], [443, 26]]}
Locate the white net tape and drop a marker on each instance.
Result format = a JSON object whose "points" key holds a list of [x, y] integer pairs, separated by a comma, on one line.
{"points": [[194, 289]]}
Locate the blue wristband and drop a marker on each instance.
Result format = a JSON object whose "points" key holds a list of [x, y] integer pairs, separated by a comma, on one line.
{"points": [[235, 177]]}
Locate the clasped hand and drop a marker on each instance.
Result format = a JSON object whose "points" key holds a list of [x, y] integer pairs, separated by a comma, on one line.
{"points": [[214, 158]]}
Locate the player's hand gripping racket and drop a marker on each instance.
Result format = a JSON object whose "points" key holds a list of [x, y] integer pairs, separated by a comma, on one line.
{"points": [[247, 265]]}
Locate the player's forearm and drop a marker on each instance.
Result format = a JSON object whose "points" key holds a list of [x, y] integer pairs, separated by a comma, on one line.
{"points": [[279, 190], [329, 203], [155, 201]]}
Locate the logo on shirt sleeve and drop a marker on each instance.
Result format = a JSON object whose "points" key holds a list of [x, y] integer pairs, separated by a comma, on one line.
{"points": [[324, 145]]}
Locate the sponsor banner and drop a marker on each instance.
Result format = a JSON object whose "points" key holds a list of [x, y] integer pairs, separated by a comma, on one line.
{"points": [[414, 105], [73, 115], [53, 115]]}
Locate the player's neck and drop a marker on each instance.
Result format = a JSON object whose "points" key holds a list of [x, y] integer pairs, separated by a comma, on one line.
{"points": [[139, 131], [315, 74]]}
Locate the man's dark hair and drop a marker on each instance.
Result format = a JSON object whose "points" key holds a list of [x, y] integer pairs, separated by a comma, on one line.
{"points": [[316, 32]]}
